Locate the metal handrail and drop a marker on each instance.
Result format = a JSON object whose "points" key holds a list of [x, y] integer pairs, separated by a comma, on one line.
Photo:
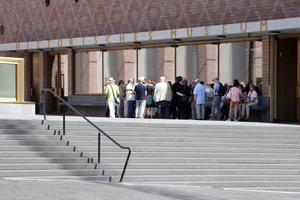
{"points": [[67, 104]]}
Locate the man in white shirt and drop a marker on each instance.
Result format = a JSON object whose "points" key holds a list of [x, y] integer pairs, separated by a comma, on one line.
{"points": [[130, 96], [163, 96]]}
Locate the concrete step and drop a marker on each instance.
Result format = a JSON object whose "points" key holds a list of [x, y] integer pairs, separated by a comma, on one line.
{"points": [[57, 172], [66, 178], [17, 154], [43, 160], [46, 166]]}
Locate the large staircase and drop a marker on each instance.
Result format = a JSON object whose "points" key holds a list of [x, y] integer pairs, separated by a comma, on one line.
{"points": [[256, 156]]}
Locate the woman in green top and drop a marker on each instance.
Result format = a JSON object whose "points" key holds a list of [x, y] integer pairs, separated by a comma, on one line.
{"points": [[111, 92]]}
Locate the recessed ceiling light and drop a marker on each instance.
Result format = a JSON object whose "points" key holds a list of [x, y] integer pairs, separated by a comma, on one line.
{"points": [[221, 37], [274, 32], [137, 43]]}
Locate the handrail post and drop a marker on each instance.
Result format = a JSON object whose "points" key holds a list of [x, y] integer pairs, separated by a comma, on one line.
{"points": [[64, 119], [125, 166], [99, 150]]}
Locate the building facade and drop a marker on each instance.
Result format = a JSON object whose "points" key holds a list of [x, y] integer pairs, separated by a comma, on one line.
{"points": [[75, 47]]}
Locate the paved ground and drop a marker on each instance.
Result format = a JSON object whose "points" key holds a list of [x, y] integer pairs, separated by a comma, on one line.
{"points": [[14, 189]]}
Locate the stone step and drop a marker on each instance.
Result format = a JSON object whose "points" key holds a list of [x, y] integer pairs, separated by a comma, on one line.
{"points": [[16, 154], [57, 172], [130, 172], [46, 166], [215, 178], [66, 178], [43, 160], [36, 148]]}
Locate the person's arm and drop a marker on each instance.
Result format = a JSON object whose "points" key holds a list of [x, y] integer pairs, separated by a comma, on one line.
{"points": [[195, 95]]}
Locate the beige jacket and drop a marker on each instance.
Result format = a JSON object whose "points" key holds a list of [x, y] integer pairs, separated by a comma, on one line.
{"points": [[162, 92]]}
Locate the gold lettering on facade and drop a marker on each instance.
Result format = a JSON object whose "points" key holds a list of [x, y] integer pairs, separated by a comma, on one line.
{"points": [[37, 43], [95, 38], [17, 46], [135, 37], [206, 34], [107, 39], [224, 29], [48, 43], [71, 42], [173, 32], [27, 45], [122, 36], [187, 32], [150, 36], [241, 26], [263, 25], [59, 43], [83, 41]]}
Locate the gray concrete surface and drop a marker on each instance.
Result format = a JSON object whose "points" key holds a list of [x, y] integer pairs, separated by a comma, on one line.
{"points": [[18, 189]]}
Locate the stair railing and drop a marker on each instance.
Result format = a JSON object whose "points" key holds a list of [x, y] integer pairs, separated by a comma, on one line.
{"points": [[64, 121]]}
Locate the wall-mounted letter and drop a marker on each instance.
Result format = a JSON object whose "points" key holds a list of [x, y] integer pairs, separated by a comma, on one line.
{"points": [[173, 32], [224, 29], [71, 42], [17, 46], [150, 36], [107, 39], [59, 43], [37, 44], [187, 32], [135, 37], [263, 25], [122, 37], [95, 38], [48, 43], [241, 25], [206, 34]]}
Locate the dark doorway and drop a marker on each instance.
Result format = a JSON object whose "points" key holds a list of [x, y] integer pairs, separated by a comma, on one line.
{"points": [[287, 80]]}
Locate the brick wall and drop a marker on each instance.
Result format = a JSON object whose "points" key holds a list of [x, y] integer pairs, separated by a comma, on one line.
{"points": [[31, 20], [265, 65]]}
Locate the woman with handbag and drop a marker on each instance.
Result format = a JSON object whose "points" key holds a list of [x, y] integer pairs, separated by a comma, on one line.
{"points": [[149, 102], [252, 100], [111, 93], [184, 94], [235, 96]]}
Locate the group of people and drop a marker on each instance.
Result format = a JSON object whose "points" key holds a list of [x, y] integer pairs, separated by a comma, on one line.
{"points": [[180, 100]]}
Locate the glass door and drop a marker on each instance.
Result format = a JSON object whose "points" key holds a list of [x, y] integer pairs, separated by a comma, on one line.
{"points": [[56, 80]]}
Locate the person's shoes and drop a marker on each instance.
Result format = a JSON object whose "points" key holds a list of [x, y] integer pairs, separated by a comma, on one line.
{"points": [[211, 119], [228, 120], [236, 120], [247, 118]]}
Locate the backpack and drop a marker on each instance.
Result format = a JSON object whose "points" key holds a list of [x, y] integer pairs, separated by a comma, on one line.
{"points": [[222, 90]]}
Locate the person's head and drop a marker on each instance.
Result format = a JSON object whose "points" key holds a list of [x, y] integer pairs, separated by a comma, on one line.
{"points": [[141, 79], [162, 79], [241, 87], [184, 82], [202, 82], [149, 81], [131, 80], [177, 79], [236, 83], [121, 83], [111, 80], [154, 82], [252, 87], [244, 91], [215, 79]]}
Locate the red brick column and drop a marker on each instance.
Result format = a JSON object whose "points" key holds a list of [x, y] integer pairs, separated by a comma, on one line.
{"points": [[265, 65], [71, 72], [27, 76], [43, 74]]}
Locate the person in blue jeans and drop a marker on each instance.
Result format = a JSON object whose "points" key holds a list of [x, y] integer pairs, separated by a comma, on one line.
{"points": [[216, 100], [140, 92]]}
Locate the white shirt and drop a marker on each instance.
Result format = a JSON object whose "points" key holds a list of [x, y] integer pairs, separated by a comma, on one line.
{"points": [[129, 94]]}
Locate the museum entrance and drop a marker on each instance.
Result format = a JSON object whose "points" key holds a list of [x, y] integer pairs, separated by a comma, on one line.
{"points": [[57, 72]]}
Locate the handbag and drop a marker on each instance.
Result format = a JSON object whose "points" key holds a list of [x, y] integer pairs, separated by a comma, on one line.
{"points": [[116, 100], [184, 98], [149, 100]]}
